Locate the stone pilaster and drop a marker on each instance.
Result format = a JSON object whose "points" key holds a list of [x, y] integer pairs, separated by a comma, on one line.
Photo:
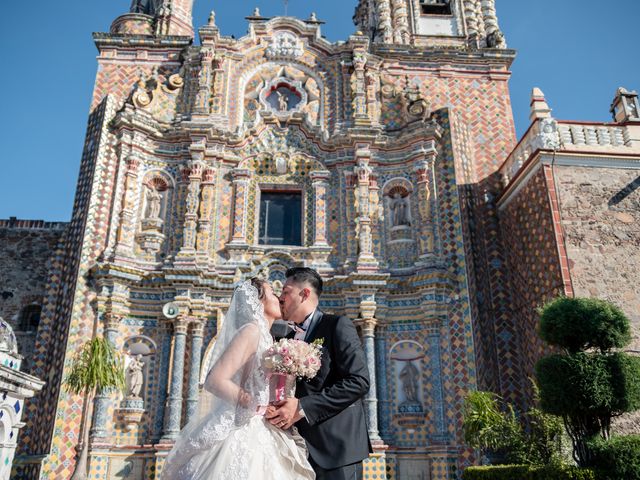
{"points": [[173, 407], [203, 240], [320, 249], [197, 331], [194, 175], [358, 86], [426, 190], [366, 260], [202, 107], [218, 105], [102, 400], [319, 182], [238, 246], [127, 228]]}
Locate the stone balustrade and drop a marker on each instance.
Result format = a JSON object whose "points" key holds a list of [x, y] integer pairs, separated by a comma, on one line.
{"points": [[550, 134]]}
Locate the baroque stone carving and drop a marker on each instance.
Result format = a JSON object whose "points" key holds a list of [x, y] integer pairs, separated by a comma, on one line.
{"points": [[548, 137], [417, 107], [284, 45]]}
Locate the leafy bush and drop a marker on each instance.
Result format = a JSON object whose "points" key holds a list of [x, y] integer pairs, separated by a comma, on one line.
{"points": [[495, 428], [485, 424], [616, 458], [578, 324], [527, 472]]}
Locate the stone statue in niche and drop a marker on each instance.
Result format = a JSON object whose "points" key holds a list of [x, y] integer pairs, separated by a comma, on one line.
{"points": [[281, 164], [399, 210], [135, 377], [154, 203], [283, 104], [409, 376]]}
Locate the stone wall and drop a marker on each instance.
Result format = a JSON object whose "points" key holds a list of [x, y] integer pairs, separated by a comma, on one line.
{"points": [[25, 249], [600, 213]]}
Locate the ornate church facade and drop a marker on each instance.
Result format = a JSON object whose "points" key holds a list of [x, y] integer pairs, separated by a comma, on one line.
{"points": [[386, 162]]}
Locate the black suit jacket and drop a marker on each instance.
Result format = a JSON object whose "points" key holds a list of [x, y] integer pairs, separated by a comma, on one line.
{"points": [[334, 426]]}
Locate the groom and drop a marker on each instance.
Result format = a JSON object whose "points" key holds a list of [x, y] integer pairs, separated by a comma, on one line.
{"points": [[328, 410]]}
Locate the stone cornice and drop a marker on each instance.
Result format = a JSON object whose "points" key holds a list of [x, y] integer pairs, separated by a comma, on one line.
{"points": [[115, 40]]}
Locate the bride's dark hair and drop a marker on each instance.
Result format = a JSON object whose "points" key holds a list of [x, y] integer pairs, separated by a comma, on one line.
{"points": [[259, 284]]}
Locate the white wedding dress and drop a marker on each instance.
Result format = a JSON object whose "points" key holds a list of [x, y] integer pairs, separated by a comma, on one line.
{"points": [[229, 438]]}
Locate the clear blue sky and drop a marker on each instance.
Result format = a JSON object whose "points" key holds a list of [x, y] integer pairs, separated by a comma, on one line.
{"points": [[577, 51]]}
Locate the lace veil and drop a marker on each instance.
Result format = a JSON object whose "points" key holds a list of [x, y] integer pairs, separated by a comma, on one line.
{"points": [[234, 388]]}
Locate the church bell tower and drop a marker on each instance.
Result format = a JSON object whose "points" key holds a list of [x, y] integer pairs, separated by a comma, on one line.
{"points": [[430, 23], [158, 17]]}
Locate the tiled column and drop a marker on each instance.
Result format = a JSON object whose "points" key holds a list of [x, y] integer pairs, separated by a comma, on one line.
{"points": [[102, 400], [173, 408], [367, 311], [381, 383], [197, 330]]}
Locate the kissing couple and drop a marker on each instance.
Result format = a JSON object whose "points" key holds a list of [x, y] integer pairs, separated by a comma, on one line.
{"points": [[237, 435]]}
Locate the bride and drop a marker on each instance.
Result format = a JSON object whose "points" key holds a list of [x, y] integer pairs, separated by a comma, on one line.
{"points": [[229, 437]]}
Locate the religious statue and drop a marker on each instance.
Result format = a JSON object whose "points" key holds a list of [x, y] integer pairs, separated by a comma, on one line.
{"points": [[409, 376], [399, 210], [283, 104], [154, 200], [281, 164], [135, 378]]}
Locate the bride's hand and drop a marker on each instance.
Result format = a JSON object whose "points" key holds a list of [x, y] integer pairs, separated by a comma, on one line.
{"points": [[244, 399]]}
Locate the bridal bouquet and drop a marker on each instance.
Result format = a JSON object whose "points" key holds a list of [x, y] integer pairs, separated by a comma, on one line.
{"points": [[288, 359]]}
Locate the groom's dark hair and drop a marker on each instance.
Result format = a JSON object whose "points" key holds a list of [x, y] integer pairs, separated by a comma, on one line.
{"points": [[306, 275]]}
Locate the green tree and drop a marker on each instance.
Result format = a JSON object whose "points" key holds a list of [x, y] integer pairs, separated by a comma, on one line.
{"points": [[96, 367], [587, 384]]}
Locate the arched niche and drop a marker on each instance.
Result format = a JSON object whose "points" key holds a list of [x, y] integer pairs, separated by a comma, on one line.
{"points": [[282, 90], [407, 356]]}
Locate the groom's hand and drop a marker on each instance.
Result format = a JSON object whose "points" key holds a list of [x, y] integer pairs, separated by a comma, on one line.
{"points": [[285, 414]]}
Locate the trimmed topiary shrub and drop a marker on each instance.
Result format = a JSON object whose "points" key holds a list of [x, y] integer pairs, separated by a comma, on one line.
{"points": [[578, 324], [589, 385], [587, 388], [526, 472], [616, 458]]}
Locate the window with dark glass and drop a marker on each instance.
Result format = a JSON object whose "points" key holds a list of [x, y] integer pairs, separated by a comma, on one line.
{"points": [[435, 7], [29, 318], [280, 218]]}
